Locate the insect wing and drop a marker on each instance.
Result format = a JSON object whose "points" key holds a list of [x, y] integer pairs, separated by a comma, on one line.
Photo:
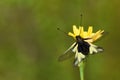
{"points": [[68, 53], [95, 49], [78, 58]]}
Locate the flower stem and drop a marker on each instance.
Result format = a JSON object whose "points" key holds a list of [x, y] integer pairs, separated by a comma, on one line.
{"points": [[81, 70]]}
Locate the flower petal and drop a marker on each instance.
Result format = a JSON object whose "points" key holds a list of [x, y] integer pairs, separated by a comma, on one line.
{"points": [[81, 31], [75, 30], [71, 34], [85, 34], [89, 40], [90, 29], [97, 35]]}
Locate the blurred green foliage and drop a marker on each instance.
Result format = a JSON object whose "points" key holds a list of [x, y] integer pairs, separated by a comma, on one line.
{"points": [[30, 43]]}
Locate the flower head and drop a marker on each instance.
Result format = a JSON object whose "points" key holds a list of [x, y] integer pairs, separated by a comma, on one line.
{"points": [[86, 34], [83, 45]]}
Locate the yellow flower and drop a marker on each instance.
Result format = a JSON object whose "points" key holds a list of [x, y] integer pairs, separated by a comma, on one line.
{"points": [[86, 34]]}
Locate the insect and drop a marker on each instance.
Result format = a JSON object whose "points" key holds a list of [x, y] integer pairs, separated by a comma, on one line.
{"points": [[81, 48]]}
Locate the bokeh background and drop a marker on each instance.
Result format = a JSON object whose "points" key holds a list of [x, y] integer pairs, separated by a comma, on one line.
{"points": [[30, 44]]}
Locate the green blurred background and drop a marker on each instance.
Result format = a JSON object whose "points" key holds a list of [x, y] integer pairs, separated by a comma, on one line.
{"points": [[30, 43]]}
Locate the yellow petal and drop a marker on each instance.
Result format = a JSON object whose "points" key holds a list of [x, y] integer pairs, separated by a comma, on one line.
{"points": [[90, 29], [81, 31], [85, 34], [97, 35], [71, 34], [75, 30], [89, 40]]}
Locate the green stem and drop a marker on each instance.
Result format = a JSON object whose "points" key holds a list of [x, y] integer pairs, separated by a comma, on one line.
{"points": [[81, 69]]}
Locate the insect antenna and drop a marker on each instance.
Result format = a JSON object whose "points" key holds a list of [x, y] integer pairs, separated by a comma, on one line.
{"points": [[81, 18], [86, 38], [62, 31]]}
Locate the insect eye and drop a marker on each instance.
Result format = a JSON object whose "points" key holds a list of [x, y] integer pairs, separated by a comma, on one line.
{"points": [[78, 37]]}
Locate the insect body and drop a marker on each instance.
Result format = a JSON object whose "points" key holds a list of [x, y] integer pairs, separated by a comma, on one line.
{"points": [[81, 48]]}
